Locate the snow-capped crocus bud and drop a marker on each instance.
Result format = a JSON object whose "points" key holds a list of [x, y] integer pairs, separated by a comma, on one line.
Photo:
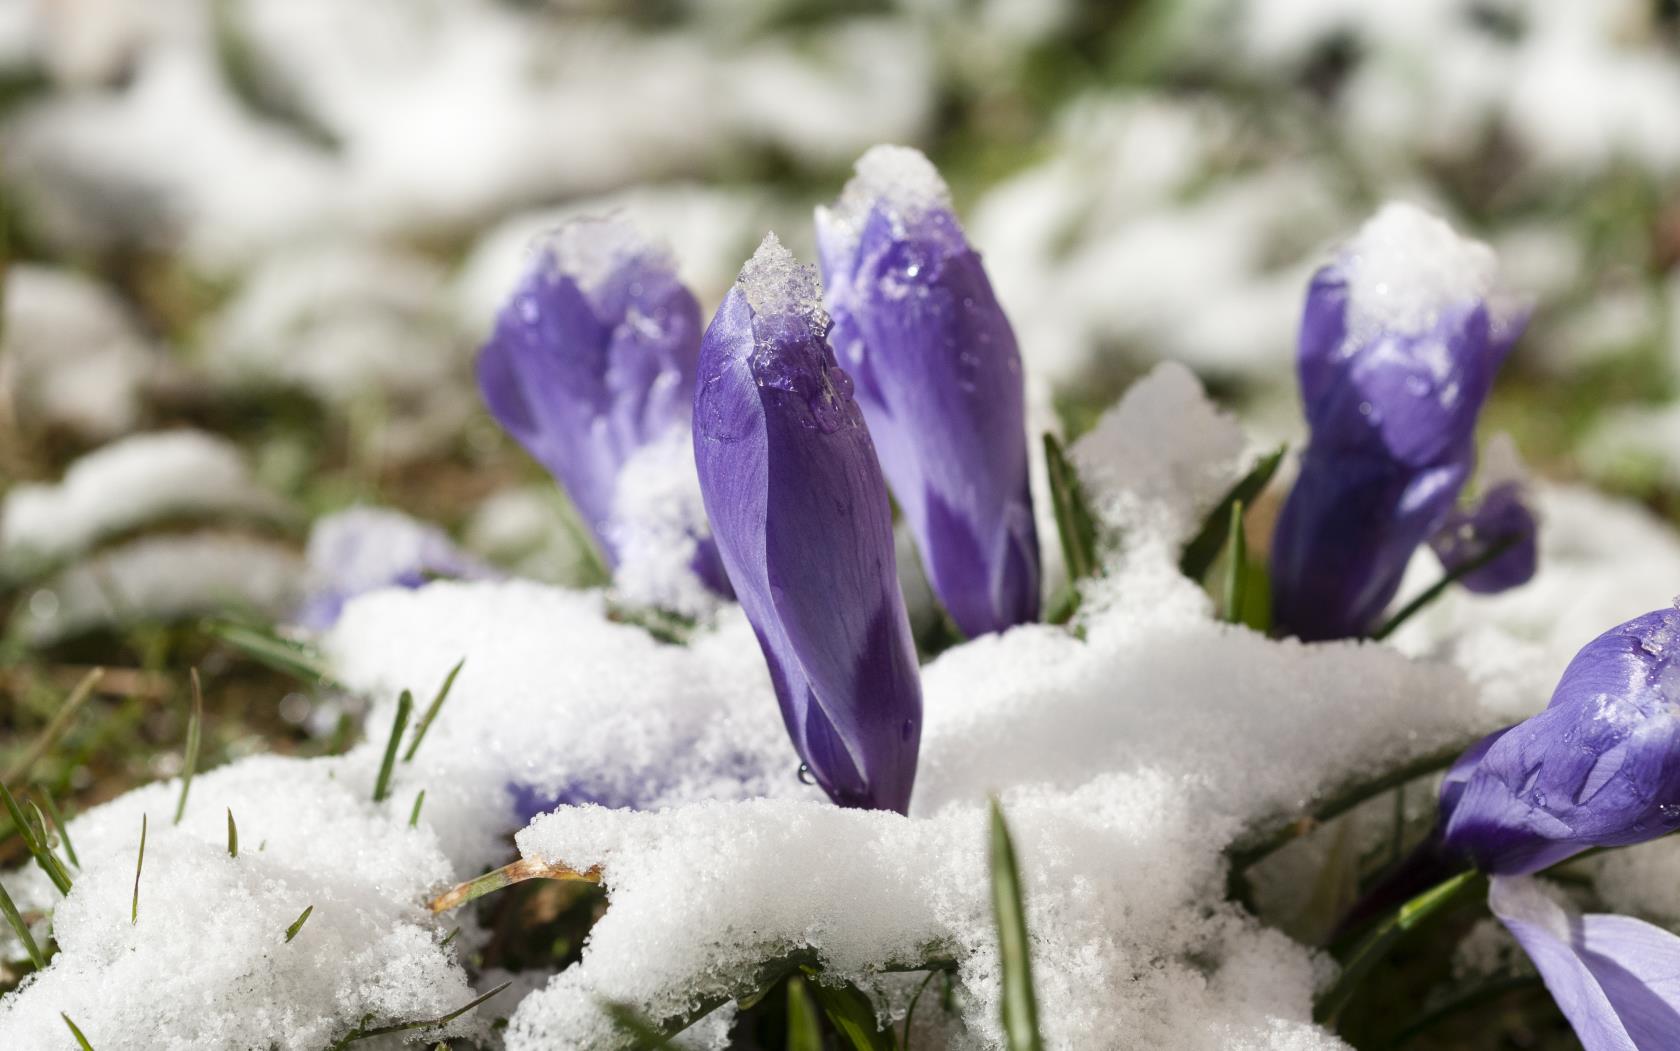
{"points": [[365, 549], [1399, 344], [939, 377], [1600, 767], [800, 514], [1616, 979], [591, 361]]}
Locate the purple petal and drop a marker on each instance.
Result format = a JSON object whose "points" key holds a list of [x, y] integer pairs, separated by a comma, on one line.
{"points": [[1599, 767], [1391, 392], [592, 358], [1345, 535], [1616, 979], [800, 514], [1466, 536], [365, 549], [938, 374]]}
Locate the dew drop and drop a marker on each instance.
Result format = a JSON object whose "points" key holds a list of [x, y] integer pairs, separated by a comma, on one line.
{"points": [[804, 775]]}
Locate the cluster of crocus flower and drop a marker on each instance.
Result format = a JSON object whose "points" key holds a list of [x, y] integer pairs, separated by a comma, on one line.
{"points": [[1400, 340], [1599, 767], [798, 425]]}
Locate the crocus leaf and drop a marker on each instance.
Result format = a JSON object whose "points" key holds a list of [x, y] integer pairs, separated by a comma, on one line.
{"points": [[1200, 552], [804, 1031], [852, 1014], [1074, 524], [1020, 1004]]}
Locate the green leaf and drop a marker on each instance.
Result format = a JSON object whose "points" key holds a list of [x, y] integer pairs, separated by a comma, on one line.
{"points": [[297, 924], [36, 845], [631, 1023], [189, 763], [1497, 548], [81, 1041], [62, 826], [1074, 524], [139, 866], [233, 835], [1020, 1005], [1382, 939], [382, 784], [432, 710], [1236, 565], [804, 1031], [1200, 552], [263, 646], [852, 1014], [423, 1023], [414, 815], [21, 929]]}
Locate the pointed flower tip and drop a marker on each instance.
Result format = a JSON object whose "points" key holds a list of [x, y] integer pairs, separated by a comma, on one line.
{"points": [[592, 249]]}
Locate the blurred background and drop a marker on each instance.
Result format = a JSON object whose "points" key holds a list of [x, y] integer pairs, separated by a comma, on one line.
{"points": [[252, 245]]}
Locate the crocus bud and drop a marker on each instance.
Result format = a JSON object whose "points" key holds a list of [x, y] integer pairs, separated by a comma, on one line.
{"points": [[939, 377], [1600, 767], [1501, 520], [592, 360], [1614, 977], [800, 514], [365, 549], [1400, 341]]}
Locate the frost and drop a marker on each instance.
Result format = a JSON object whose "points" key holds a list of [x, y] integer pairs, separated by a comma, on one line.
{"points": [[129, 483], [777, 283], [1406, 267]]}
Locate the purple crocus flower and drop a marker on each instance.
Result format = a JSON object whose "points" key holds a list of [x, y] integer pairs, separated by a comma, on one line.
{"points": [[939, 377], [800, 513], [1600, 767], [365, 549], [1502, 517], [1399, 346], [1616, 979], [592, 360]]}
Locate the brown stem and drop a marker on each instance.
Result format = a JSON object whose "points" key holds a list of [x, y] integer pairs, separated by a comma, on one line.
{"points": [[507, 876]]}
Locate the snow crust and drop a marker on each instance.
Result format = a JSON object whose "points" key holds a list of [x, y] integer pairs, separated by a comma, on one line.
{"points": [[1406, 267], [775, 282], [899, 179], [130, 482]]}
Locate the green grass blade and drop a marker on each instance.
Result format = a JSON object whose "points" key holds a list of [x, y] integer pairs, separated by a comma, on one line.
{"points": [[1200, 552], [1020, 1005], [293, 658], [850, 1012], [432, 710], [45, 858], [195, 730], [1074, 524], [1236, 566], [139, 864], [297, 924], [62, 826], [382, 785], [233, 835], [631, 1023], [21, 929], [424, 1023], [54, 729], [910, 1012], [414, 815], [804, 1031], [81, 1041]]}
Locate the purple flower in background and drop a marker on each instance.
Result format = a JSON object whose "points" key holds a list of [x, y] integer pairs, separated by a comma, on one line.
{"points": [[1399, 346], [592, 360], [1616, 979], [1600, 767], [800, 513], [1501, 519], [938, 375], [365, 549]]}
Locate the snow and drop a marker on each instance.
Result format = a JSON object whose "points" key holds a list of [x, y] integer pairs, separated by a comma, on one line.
{"points": [[776, 283], [898, 179], [1406, 267], [206, 965], [658, 518], [165, 577], [74, 355], [133, 481], [533, 532]]}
